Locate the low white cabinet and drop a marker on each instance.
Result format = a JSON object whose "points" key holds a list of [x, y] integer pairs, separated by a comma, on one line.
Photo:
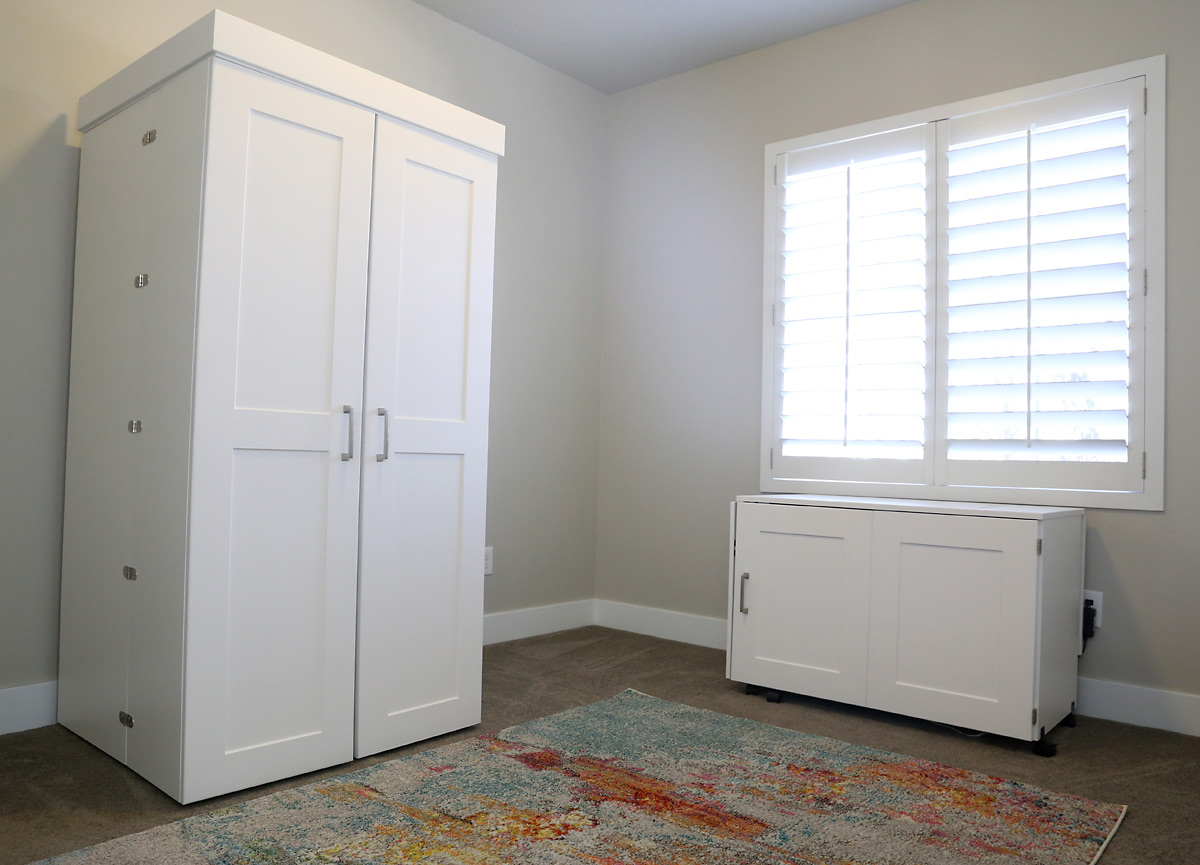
{"points": [[966, 614], [277, 436]]}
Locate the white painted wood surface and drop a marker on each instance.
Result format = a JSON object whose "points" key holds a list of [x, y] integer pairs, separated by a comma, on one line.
{"points": [[424, 440], [274, 519], [803, 575], [955, 617]]}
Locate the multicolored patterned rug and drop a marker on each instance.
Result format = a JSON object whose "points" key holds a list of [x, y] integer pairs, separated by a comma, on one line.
{"points": [[635, 780]]}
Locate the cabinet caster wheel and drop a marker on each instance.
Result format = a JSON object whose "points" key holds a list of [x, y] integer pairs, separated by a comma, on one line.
{"points": [[774, 697], [1044, 748], [753, 689], [1068, 721]]}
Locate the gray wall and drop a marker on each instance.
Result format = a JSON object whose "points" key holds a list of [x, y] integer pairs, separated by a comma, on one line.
{"points": [[545, 381], [683, 280]]}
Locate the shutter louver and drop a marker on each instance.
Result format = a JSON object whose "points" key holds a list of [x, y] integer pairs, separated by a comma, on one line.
{"points": [[853, 342], [1038, 294]]}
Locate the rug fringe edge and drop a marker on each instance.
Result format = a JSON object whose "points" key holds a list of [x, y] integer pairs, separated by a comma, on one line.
{"points": [[1116, 826]]}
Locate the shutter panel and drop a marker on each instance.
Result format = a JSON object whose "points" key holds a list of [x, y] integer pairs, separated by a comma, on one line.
{"points": [[1037, 277], [852, 366]]}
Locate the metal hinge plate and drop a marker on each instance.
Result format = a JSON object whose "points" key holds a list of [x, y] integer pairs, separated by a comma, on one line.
{"points": [[126, 719], [129, 573], [150, 137], [134, 426], [1033, 717], [1039, 546], [141, 280]]}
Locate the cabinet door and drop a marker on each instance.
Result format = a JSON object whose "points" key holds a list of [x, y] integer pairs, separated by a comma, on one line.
{"points": [[953, 620], [273, 546], [425, 439], [800, 599]]}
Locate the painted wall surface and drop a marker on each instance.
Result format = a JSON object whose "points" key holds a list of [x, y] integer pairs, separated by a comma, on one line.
{"points": [[683, 262], [542, 480]]}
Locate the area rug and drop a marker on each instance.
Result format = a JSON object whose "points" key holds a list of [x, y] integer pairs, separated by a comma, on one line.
{"points": [[635, 780]]}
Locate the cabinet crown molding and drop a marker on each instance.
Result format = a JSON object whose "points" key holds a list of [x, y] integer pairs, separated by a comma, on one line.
{"points": [[222, 35]]}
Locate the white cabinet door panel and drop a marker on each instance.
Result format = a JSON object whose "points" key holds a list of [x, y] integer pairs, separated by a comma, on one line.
{"points": [[953, 619], [274, 528], [806, 597], [425, 437]]}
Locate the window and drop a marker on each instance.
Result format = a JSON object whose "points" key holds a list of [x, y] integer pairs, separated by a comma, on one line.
{"points": [[968, 303]]}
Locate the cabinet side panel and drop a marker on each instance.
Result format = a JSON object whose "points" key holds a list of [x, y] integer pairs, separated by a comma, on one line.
{"points": [[94, 630], [165, 336], [273, 546], [1061, 621], [424, 479]]}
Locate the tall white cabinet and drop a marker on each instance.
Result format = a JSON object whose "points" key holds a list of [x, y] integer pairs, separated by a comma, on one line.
{"points": [[963, 613], [277, 434]]}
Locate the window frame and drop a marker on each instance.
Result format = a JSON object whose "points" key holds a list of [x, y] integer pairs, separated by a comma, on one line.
{"points": [[1152, 335]]}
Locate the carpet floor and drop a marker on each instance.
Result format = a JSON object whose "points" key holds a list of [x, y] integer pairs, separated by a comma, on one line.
{"points": [[634, 780], [57, 793]]}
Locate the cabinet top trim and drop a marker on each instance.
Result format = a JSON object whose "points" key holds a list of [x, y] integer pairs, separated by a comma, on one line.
{"points": [[222, 35], [977, 509]]}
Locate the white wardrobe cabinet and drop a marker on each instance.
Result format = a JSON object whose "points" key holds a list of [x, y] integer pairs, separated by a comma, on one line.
{"points": [[277, 433], [966, 614]]}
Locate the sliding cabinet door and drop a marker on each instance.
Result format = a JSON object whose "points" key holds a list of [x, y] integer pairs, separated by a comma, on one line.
{"points": [[424, 465]]}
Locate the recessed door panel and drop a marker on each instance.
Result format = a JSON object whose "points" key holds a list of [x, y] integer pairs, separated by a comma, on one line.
{"points": [[275, 647], [800, 599], [434, 294]]}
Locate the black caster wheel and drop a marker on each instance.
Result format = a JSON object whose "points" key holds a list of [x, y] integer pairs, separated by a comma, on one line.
{"points": [[774, 697], [1068, 721], [753, 689], [1044, 748]]}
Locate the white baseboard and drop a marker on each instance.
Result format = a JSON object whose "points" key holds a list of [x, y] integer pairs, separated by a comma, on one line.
{"points": [[535, 621], [28, 706], [681, 627], [1133, 704], [667, 624]]}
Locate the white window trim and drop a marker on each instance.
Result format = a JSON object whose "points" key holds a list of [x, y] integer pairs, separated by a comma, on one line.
{"points": [[1154, 368]]}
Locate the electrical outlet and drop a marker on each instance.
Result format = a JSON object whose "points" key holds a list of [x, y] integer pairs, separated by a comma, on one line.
{"points": [[1097, 599], [487, 561]]}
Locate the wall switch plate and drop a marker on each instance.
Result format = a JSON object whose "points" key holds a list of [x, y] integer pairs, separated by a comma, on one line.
{"points": [[487, 561], [1097, 599]]}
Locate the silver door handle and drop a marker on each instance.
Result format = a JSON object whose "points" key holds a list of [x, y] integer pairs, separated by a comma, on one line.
{"points": [[387, 419], [742, 606], [348, 454]]}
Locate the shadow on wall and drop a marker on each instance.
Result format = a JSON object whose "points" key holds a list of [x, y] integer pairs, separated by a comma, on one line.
{"points": [[38, 195]]}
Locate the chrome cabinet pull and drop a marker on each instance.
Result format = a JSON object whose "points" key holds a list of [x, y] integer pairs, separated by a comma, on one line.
{"points": [[348, 454], [745, 579], [383, 413]]}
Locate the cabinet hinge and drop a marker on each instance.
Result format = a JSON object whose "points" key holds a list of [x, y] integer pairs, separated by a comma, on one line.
{"points": [[126, 719], [1145, 283], [772, 457], [134, 426], [141, 280], [1039, 546], [150, 137], [1033, 717], [772, 315], [776, 181], [1143, 465], [129, 573], [1145, 100]]}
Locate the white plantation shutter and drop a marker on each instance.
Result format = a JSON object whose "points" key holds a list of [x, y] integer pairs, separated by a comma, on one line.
{"points": [[956, 307], [1038, 273], [851, 318]]}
